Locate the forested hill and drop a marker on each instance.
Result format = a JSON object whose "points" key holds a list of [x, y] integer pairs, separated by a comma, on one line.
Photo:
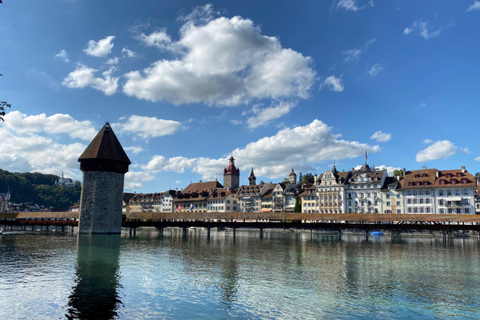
{"points": [[38, 188]]}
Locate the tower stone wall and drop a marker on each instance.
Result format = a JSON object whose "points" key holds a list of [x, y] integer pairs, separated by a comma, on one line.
{"points": [[104, 164], [101, 202]]}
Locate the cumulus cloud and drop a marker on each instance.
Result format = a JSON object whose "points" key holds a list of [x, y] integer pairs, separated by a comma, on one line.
{"points": [[148, 127], [112, 61], [375, 69], [134, 179], [100, 48], [477, 159], [20, 123], [129, 53], [264, 116], [333, 83], [274, 156], [474, 6], [159, 39], [422, 29], [135, 150], [33, 152], [381, 136], [84, 76], [439, 150], [63, 55], [222, 62]]}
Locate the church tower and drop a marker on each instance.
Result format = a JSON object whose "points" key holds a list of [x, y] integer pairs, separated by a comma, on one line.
{"points": [[292, 177], [252, 180], [231, 175], [104, 164]]}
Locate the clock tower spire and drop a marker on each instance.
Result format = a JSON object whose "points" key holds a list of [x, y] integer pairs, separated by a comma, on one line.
{"points": [[231, 175]]}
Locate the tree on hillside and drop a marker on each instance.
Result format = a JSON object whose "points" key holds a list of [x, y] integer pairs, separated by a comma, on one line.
{"points": [[477, 175]]}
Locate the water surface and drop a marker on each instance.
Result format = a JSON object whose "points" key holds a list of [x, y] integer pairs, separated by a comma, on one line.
{"points": [[284, 275]]}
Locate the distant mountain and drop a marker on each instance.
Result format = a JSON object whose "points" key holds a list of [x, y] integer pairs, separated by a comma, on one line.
{"points": [[38, 188]]}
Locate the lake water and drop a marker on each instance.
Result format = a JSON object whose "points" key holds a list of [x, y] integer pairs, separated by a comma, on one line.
{"points": [[284, 275]]}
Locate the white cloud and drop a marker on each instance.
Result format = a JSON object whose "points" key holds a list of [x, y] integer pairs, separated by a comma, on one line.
{"points": [[134, 179], [100, 48], [375, 69], [474, 6], [159, 39], [422, 29], [135, 150], [351, 55], [274, 156], [423, 104], [354, 54], [477, 159], [83, 77], [63, 55], [175, 164], [427, 141], [148, 127], [223, 62], [333, 83], [381, 136], [262, 117], [129, 53], [20, 123], [112, 61], [200, 14], [439, 150], [351, 5]]}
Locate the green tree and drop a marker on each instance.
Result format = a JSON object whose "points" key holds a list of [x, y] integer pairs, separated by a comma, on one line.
{"points": [[397, 172], [308, 178], [298, 207], [477, 175]]}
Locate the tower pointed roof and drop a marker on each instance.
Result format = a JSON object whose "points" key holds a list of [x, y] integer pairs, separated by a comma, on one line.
{"points": [[104, 149], [252, 176]]}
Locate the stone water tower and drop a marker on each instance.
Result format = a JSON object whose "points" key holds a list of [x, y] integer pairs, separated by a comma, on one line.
{"points": [[104, 164]]}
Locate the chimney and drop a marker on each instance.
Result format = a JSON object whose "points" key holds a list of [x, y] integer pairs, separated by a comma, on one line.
{"points": [[315, 179], [463, 169]]}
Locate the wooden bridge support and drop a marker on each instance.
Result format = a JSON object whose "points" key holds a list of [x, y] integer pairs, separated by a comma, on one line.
{"points": [[208, 232], [184, 232], [160, 231], [132, 231], [261, 233]]}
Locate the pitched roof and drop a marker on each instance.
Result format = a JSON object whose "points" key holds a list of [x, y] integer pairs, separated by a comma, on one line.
{"points": [[105, 147], [424, 178], [457, 176], [202, 186]]}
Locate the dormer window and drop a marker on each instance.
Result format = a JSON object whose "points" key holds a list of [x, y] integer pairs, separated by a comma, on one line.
{"points": [[449, 175], [410, 184], [442, 181], [459, 174], [452, 181], [425, 183], [418, 184], [464, 181]]}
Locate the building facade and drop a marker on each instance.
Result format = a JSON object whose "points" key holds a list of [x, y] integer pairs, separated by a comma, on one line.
{"points": [[363, 189]]}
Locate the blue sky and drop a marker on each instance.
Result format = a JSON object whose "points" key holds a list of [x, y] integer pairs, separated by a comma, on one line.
{"points": [[278, 84]]}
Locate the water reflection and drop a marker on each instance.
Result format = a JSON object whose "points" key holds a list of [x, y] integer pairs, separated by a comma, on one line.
{"points": [[95, 294]]}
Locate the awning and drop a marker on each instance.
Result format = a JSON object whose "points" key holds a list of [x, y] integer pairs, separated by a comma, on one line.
{"points": [[266, 210], [457, 198]]}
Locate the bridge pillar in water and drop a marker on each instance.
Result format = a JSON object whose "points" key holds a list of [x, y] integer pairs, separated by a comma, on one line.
{"points": [[104, 164]]}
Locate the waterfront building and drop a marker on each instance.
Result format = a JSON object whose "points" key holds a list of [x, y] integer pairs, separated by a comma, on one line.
{"points": [[194, 197], [292, 177], [363, 188], [278, 197], [291, 192], [308, 199], [152, 202], [477, 200], [391, 196], [418, 190], [255, 198], [455, 191], [330, 189], [222, 200], [127, 196]]}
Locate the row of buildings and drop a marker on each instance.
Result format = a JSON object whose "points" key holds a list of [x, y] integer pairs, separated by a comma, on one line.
{"points": [[363, 190]]}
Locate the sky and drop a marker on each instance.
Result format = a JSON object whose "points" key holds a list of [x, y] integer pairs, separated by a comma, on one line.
{"points": [[277, 84]]}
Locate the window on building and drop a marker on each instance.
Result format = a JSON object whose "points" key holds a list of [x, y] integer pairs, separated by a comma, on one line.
{"points": [[409, 201], [450, 210], [388, 203], [449, 192], [442, 210], [467, 210], [409, 210], [459, 210], [427, 210], [440, 202], [387, 196], [442, 181], [398, 203]]}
